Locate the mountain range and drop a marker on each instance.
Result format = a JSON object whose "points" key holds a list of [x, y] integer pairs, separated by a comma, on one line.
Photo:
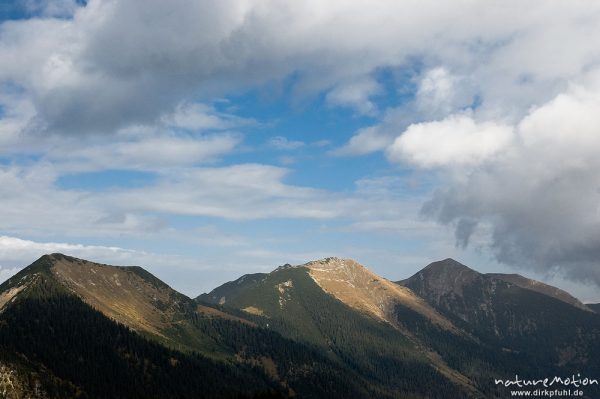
{"points": [[325, 329]]}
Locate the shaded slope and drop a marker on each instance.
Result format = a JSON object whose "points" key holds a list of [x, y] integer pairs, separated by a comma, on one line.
{"points": [[540, 328], [594, 306], [539, 287], [231, 289]]}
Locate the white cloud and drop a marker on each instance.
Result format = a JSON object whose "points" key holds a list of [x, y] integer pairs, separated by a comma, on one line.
{"points": [[440, 93], [356, 94], [282, 143], [365, 141], [197, 116], [6, 273], [32, 202], [239, 192], [152, 153], [568, 122], [456, 140], [379, 136], [29, 200], [436, 87], [193, 134], [14, 250], [131, 62]]}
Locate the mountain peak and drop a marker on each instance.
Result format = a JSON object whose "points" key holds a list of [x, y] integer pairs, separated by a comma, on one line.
{"points": [[46, 263], [358, 287], [57, 257], [442, 278], [447, 280], [448, 265], [130, 295], [333, 262]]}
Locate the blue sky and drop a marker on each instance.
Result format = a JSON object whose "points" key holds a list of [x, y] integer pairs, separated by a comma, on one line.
{"points": [[206, 140]]}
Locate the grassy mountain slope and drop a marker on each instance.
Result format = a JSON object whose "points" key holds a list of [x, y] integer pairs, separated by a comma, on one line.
{"points": [[138, 303], [363, 290], [221, 294], [55, 344], [291, 302], [326, 329], [470, 328]]}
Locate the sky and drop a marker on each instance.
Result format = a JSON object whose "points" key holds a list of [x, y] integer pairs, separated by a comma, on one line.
{"points": [[204, 140]]}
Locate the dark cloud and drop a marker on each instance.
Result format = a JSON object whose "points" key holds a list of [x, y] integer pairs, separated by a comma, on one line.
{"points": [[545, 219], [118, 63]]}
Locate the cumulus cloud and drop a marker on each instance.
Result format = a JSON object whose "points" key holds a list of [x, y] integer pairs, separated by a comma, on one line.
{"points": [[438, 93], [193, 134], [436, 88], [456, 140], [540, 200], [118, 63]]}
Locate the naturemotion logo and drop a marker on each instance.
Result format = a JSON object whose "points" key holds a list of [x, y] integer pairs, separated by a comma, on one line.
{"points": [[574, 381], [560, 386]]}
